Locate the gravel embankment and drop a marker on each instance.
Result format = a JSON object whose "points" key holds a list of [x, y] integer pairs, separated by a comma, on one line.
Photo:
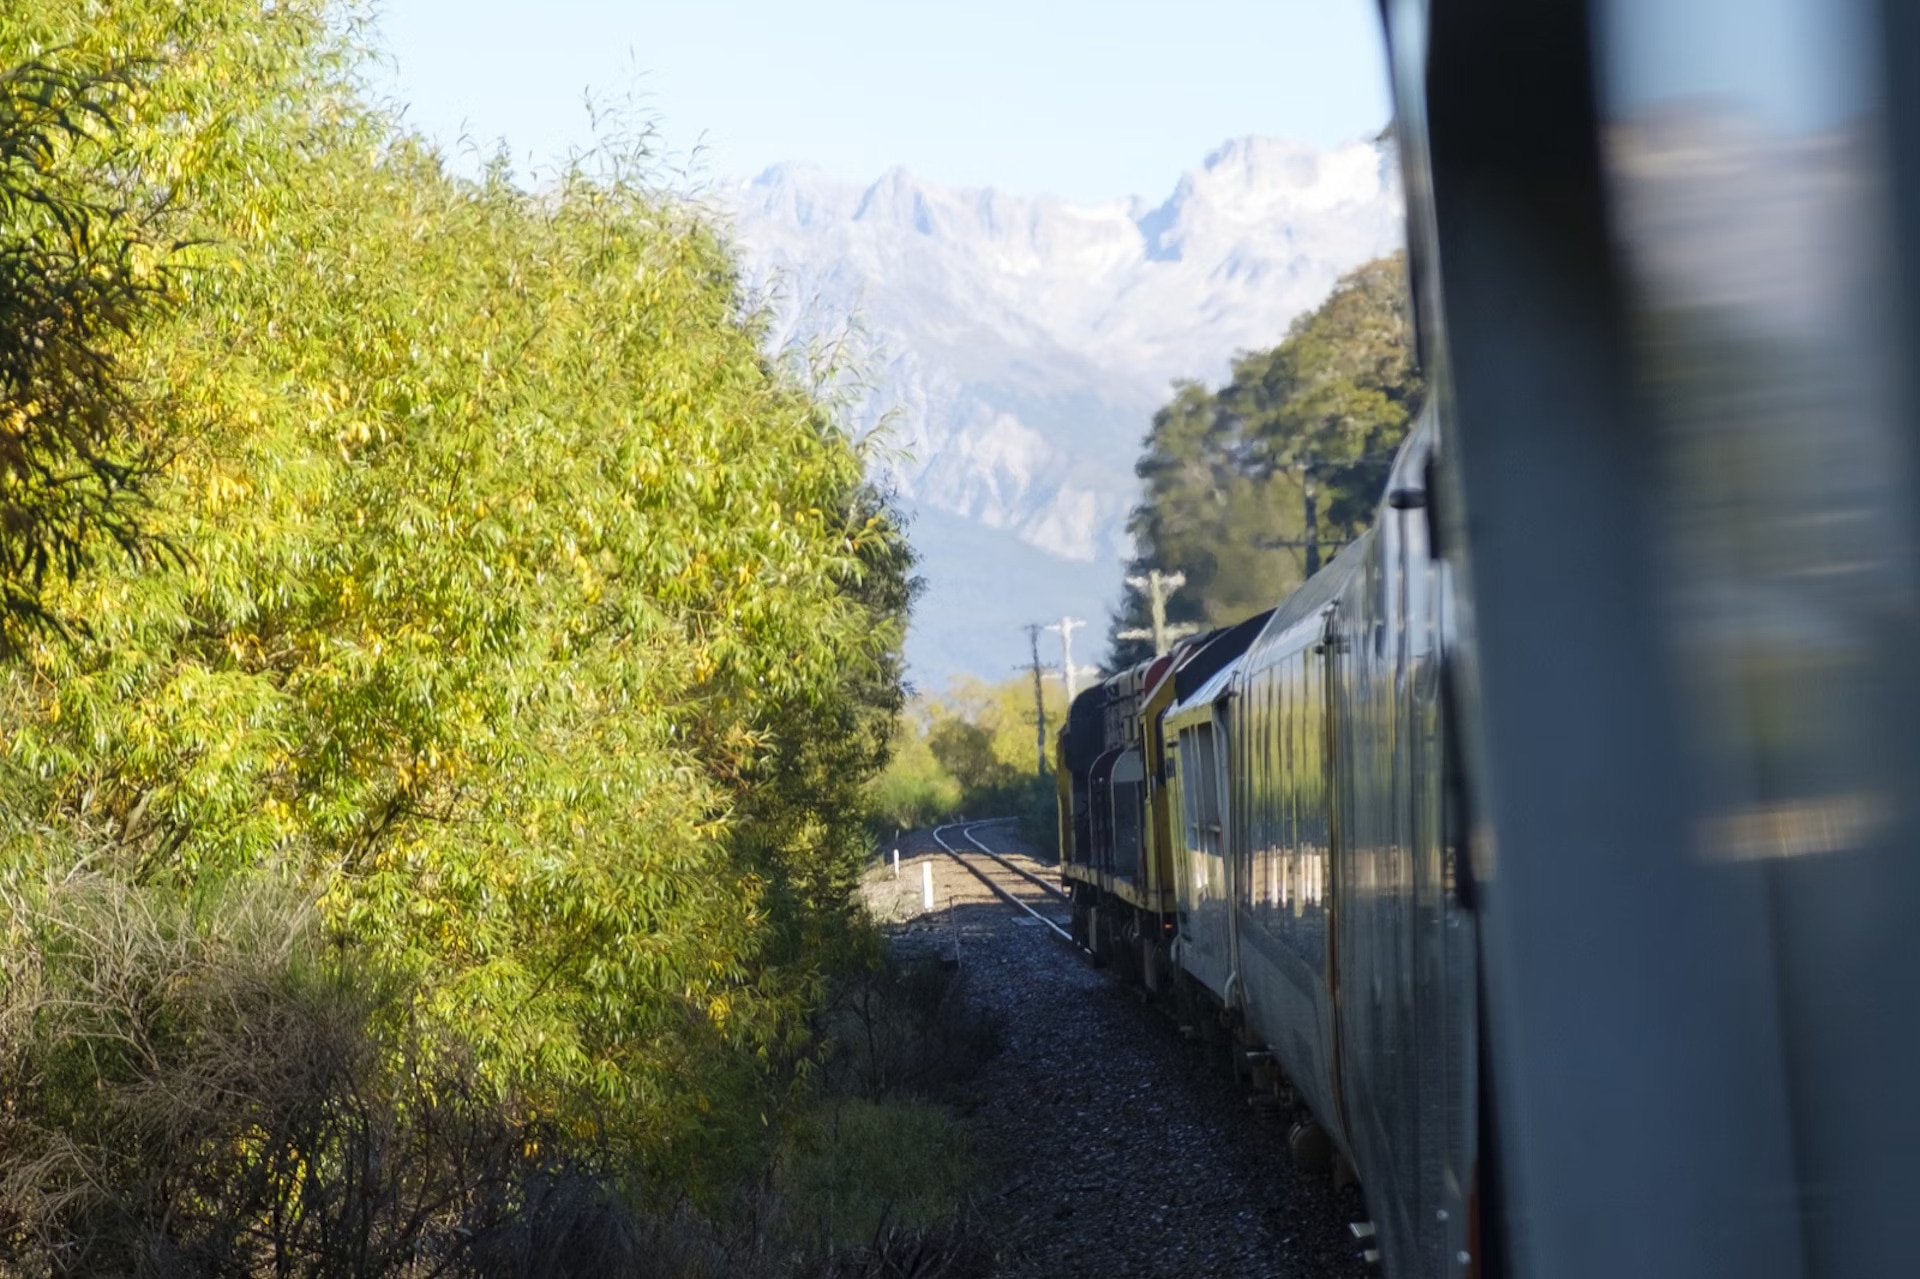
{"points": [[1128, 1150]]}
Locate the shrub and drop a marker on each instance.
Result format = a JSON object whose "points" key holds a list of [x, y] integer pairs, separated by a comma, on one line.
{"points": [[878, 1176], [212, 1091], [861, 1170]]}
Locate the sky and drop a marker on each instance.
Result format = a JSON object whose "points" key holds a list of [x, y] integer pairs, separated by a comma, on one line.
{"points": [[1790, 64], [1088, 99]]}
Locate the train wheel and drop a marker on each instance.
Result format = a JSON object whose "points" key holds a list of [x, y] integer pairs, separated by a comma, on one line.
{"points": [[1309, 1147], [1120, 948]]}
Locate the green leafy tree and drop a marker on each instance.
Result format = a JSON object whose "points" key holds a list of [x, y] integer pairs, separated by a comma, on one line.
{"points": [[81, 265], [1248, 489], [971, 751], [1328, 408], [526, 614]]}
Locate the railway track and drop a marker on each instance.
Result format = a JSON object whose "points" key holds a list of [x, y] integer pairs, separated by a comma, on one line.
{"points": [[998, 878]]}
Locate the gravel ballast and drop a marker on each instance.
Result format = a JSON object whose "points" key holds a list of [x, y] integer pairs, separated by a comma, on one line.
{"points": [[1124, 1148]]}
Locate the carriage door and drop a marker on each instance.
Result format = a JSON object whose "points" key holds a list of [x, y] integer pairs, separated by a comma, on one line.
{"points": [[1206, 948], [1230, 849], [1438, 959]]}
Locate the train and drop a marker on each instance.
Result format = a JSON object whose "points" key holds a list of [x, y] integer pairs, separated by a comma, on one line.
{"points": [[1260, 827], [1553, 848]]}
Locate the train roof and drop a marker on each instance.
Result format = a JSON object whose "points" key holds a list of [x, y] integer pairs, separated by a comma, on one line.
{"points": [[1212, 690], [1086, 731], [1316, 593], [1325, 586], [1203, 681], [1215, 650]]}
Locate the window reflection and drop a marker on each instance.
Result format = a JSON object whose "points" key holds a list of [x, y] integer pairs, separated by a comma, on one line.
{"points": [[1742, 150]]}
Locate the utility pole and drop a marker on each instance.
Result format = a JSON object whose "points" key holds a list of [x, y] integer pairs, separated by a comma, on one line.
{"points": [[1039, 701], [1310, 540], [1066, 626], [1158, 586]]}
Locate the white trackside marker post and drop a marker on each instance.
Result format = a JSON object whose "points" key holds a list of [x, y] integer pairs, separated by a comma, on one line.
{"points": [[896, 863], [926, 884]]}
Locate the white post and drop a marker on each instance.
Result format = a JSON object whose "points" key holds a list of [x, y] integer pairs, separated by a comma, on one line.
{"points": [[896, 863], [926, 884]]}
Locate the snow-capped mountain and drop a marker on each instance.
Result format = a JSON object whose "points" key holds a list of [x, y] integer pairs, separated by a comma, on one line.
{"points": [[1019, 345]]}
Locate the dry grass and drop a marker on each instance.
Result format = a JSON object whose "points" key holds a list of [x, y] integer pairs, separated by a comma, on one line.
{"points": [[220, 1092]]}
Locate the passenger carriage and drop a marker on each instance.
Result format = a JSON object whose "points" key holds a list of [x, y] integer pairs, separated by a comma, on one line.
{"points": [[1262, 818]]}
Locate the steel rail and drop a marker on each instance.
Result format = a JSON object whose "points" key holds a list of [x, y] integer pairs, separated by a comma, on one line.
{"points": [[1029, 876], [984, 878]]}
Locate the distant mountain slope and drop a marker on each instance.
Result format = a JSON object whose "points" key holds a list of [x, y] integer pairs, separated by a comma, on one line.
{"points": [[988, 586], [1023, 343]]}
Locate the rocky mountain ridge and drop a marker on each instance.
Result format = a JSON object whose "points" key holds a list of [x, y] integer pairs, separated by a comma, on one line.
{"points": [[1016, 346]]}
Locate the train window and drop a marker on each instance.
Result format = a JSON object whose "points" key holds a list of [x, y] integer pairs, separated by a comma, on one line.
{"points": [[1296, 797], [1245, 741], [1282, 788], [1275, 718], [1189, 789], [1206, 780], [1290, 800], [1269, 718], [1270, 881], [1240, 752], [1256, 728], [1127, 791], [1303, 799], [1276, 791], [1313, 840]]}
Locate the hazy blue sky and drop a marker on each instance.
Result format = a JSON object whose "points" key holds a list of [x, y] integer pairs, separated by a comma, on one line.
{"points": [[1791, 64], [1086, 98]]}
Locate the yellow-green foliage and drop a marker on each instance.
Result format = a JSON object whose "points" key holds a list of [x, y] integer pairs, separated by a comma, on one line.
{"points": [[972, 751], [525, 612], [914, 789]]}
